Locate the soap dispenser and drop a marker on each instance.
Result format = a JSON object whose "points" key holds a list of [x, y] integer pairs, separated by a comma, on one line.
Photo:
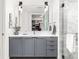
{"points": [[54, 29]]}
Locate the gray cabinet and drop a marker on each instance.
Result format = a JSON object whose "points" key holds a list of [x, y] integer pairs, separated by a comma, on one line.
{"points": [[52, 47], [28, 46], [15, 47], [33, 47], [40, 47]]}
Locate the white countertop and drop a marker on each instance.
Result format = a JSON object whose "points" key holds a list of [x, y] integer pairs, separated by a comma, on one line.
{"points": [[33, 36]]}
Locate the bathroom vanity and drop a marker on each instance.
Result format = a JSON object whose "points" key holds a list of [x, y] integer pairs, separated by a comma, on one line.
{"points": [[38, 37], [23, 46]]}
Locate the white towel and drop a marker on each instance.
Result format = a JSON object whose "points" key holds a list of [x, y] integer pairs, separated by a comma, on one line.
{"points": [[70, 42]]}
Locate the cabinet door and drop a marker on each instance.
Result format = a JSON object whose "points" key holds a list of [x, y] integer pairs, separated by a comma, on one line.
{"points": [[40, 47], [28, 47], [15, 47]]}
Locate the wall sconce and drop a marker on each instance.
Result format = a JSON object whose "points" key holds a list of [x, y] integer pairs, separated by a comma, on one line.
{"points": [[20, 6], [19, 10]]}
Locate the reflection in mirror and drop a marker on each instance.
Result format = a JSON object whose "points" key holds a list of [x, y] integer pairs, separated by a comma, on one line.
{"points": [[40, 22], [34, 16], [46, 17], [37, 22]]}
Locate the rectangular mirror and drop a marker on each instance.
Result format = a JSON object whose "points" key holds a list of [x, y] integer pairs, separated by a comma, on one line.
{"points": [[35, 16]]}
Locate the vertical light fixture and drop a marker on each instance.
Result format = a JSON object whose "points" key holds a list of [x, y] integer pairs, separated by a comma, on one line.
{"points": [[46, 16], [20, 6], [20, 10]]}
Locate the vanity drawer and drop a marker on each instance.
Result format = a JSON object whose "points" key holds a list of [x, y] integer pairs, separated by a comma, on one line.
{"points": [[53, 38], [51, 43], [51, 47], [51, 52]]}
